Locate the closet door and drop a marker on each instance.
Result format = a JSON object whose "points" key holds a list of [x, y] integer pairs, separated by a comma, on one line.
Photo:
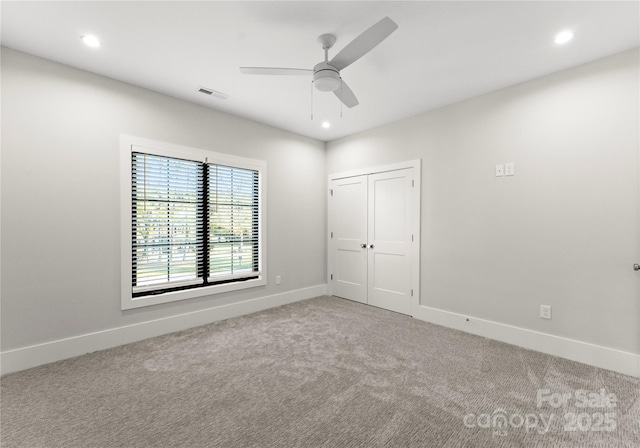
{"points": [[389, 240], [349, 230], [371, 218]]}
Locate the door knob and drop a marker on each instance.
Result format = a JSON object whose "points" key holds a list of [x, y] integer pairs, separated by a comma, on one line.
{"points": [[370, 246], [363, 246], [636, 267]]}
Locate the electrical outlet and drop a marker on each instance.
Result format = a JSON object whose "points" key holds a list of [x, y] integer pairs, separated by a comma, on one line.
{"points": [[545, 311], [278, 280], [499, 170]]}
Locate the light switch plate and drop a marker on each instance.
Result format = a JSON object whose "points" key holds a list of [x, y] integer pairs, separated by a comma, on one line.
{"points": [[509, 169], [499, 170]]}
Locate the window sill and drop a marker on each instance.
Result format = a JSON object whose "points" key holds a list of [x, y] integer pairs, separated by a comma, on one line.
{"points": [[129, 302]]}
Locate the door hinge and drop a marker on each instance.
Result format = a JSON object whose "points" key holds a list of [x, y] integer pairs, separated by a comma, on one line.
{"points": [[331, 234], [331, 192], [413, 183], [331, 276], [412, 293], [411, 237]]}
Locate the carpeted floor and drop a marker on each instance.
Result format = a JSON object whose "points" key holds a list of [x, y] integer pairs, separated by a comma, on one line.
{"points": [[324, 372]]}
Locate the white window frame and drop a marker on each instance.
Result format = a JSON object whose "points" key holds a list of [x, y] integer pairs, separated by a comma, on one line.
{"points": [[127, 145]]}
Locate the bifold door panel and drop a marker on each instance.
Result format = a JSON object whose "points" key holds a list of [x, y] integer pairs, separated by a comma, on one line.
{"points": [[389, 232], [350, 233], [371, 234]]}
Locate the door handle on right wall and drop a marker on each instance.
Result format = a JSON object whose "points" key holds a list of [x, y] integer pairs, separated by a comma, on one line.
{"points": [[636, 267], [370, 246]]}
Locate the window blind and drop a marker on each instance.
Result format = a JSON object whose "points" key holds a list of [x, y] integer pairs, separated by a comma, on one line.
{"points": [[167, 222], [233, 222], [193, 224]]}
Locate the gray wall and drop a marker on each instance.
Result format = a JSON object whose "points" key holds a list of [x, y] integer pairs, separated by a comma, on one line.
{"points": [[60, 197], [563, 231]]}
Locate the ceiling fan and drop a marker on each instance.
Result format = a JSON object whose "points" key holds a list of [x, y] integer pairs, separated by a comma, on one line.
{"points": [[326, 75]]}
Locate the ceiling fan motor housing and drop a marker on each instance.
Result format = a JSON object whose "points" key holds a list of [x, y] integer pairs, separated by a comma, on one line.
{"points": [[326, 78]]}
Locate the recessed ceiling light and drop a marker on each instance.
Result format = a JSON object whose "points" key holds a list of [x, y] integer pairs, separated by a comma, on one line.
{"points": [[563, 37], [326, 124], [92, 41]]}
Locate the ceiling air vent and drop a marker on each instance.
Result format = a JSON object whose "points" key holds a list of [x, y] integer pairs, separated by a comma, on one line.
{"points": [[213, 93]]}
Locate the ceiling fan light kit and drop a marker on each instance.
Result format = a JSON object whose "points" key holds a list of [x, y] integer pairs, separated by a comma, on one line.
{"points": [[326, 78], [326, 74]]}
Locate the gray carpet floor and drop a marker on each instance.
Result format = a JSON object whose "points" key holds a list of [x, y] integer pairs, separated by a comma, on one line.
{"points": [[324, 372]]}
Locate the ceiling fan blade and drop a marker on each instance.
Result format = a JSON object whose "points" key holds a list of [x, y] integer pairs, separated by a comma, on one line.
{"points": [[346, 95], [364, 43], [275, 71]]}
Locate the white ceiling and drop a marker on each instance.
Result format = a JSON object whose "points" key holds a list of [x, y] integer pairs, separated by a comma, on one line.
{"points": [[442, 52]]}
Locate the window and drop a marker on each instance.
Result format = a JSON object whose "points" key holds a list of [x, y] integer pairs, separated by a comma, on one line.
{"points": [[194, 223]]}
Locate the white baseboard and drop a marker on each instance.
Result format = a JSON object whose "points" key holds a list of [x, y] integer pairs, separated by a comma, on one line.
{"points": [[586, 353], [36, 355]]}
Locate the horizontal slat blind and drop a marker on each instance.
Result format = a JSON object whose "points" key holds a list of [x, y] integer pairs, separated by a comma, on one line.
{"points": [[233, 223], [167, 222]]}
